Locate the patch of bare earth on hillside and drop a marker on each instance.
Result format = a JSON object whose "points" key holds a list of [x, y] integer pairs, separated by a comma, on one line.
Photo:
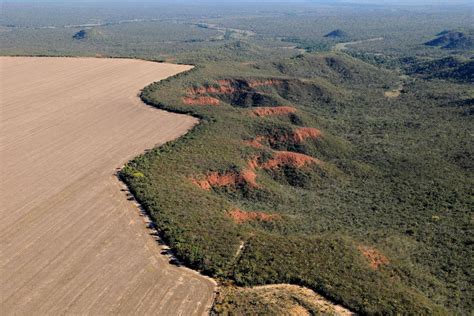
{"points": [[297, 136], [393, 93], [272, 110], [303, 133], [288, 158], [223, 87], [374, 257], [248, 175], [240, 92], [231, 178], [200, 101], [282, 299], [256, 142]]}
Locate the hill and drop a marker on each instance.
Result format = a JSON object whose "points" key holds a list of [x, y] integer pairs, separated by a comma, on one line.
{"points": [[453, 40], [451, 68], [82, 34], [88, 34], [336, 34], [311, 169], [296, 176]]}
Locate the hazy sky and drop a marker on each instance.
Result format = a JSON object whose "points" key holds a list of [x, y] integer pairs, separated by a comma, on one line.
{"points": [[261, 1]]}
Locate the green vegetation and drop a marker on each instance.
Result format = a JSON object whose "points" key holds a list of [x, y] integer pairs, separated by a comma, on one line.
{"points": [[377, 214], [453, 40], [164, 31], [395, 177], [449, 68], [272, 300]]}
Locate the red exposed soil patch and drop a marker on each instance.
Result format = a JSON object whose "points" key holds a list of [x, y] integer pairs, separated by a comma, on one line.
{"points": [[203, 184], [224, 83], [214, 179], [253, 163], [225, 87], [200, 101], [240, 216], [376, 259], [249, 177], [288, 158], [256, 142], [277, 110], [300, 134]]}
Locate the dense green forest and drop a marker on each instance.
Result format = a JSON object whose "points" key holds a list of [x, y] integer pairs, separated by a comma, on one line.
{"points": [[344, 169], [392, 179]]}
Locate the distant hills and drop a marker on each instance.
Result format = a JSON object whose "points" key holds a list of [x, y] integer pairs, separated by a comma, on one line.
{"points": [[87, 34], [336, 34], [453, 40], [453, 68], [82, 34]]}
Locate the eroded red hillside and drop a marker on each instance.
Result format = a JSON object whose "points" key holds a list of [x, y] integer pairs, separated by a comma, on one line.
{"points": [[276, 110], [288, 158], [201, 101], [231, 178]]}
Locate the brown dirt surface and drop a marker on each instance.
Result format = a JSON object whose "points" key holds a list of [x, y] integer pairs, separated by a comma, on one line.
{"points": [[201, 101], [215, 179], [256, 142], [270, 111], [224, 87], [279, 299], [240, 216], [253, 163], [288, 158], [303, 133], [375, 257], [309, 297], [71, 241], [299, 135], [393, 93]]}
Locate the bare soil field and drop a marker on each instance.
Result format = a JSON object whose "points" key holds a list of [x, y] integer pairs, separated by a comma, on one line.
{"points": [[71, 241]]}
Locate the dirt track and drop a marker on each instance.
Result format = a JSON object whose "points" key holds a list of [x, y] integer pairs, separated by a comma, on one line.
{"points": [[71, 242]]}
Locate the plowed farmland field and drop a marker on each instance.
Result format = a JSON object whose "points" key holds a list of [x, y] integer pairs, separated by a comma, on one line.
{"points": [[71, 240]]}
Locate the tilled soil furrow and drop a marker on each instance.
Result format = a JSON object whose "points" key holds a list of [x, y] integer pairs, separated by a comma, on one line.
{"points": [[71, 241]]}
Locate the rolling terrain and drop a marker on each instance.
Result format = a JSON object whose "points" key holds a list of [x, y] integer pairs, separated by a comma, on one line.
{"points": [[299, 173], [331, 170], [72, 240]]}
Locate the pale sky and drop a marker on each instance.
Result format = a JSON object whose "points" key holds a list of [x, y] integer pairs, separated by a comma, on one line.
{"points": [[380, 2]]}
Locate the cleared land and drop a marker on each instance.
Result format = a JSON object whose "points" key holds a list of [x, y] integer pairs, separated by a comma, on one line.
{"points": [[71, 241], [343, 46], [277, 299]]}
